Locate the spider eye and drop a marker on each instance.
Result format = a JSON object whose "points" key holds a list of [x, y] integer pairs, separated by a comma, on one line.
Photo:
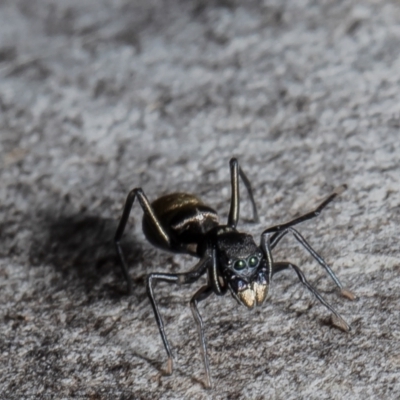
{"points": [[253, 261], [239, 265]]}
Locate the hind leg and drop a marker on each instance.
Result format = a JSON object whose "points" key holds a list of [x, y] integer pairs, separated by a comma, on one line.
{"points": [[151, 217]]}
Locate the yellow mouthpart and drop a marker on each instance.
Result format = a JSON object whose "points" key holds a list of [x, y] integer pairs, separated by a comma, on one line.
{"points": [[253, 295]]}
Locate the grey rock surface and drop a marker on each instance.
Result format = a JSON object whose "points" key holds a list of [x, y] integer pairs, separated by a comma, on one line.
{"points": [[98, 97]]}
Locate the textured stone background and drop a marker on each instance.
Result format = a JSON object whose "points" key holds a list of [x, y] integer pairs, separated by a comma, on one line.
{"points": [[97, 97]]}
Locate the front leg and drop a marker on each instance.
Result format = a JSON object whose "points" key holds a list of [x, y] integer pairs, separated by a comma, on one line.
{"points": [[200, 295], [185, 278], [345, 292], [278, 232], [336, 318]]}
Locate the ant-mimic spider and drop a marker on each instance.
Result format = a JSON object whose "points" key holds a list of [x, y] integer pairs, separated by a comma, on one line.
{"points": [[182, 223]]}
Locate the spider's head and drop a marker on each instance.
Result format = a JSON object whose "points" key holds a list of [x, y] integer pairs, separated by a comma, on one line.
{"points": [[243, 268]]}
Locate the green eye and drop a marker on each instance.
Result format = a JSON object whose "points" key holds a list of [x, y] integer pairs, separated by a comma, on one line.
{"points": [[253, 261], [239, 265]]}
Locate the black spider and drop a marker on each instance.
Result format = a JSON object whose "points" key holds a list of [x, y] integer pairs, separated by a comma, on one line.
{"points": [[182, 223]]}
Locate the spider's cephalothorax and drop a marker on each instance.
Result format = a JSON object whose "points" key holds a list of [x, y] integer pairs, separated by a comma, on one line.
{"points": [[243, 267], [182, 223]]}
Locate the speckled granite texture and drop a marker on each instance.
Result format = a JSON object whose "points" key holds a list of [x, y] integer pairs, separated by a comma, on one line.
{"points": [[98, 97]]}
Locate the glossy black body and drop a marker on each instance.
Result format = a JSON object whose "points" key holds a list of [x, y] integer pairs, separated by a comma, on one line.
{"points": [[182, 223], [186, 220]]}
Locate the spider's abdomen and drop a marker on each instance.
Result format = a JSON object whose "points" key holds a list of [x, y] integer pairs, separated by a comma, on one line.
{"points": [[186, 219]]}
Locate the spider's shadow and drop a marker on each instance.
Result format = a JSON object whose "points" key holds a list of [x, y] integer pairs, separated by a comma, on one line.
{"points": [[81, 247]]}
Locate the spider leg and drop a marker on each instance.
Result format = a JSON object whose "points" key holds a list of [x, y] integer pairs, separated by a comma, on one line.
{"points": [[149, 212], [219, 288], [336, 318], [200, 295], [345, 292], [184, 278], [277, 229], [236, 171]]}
